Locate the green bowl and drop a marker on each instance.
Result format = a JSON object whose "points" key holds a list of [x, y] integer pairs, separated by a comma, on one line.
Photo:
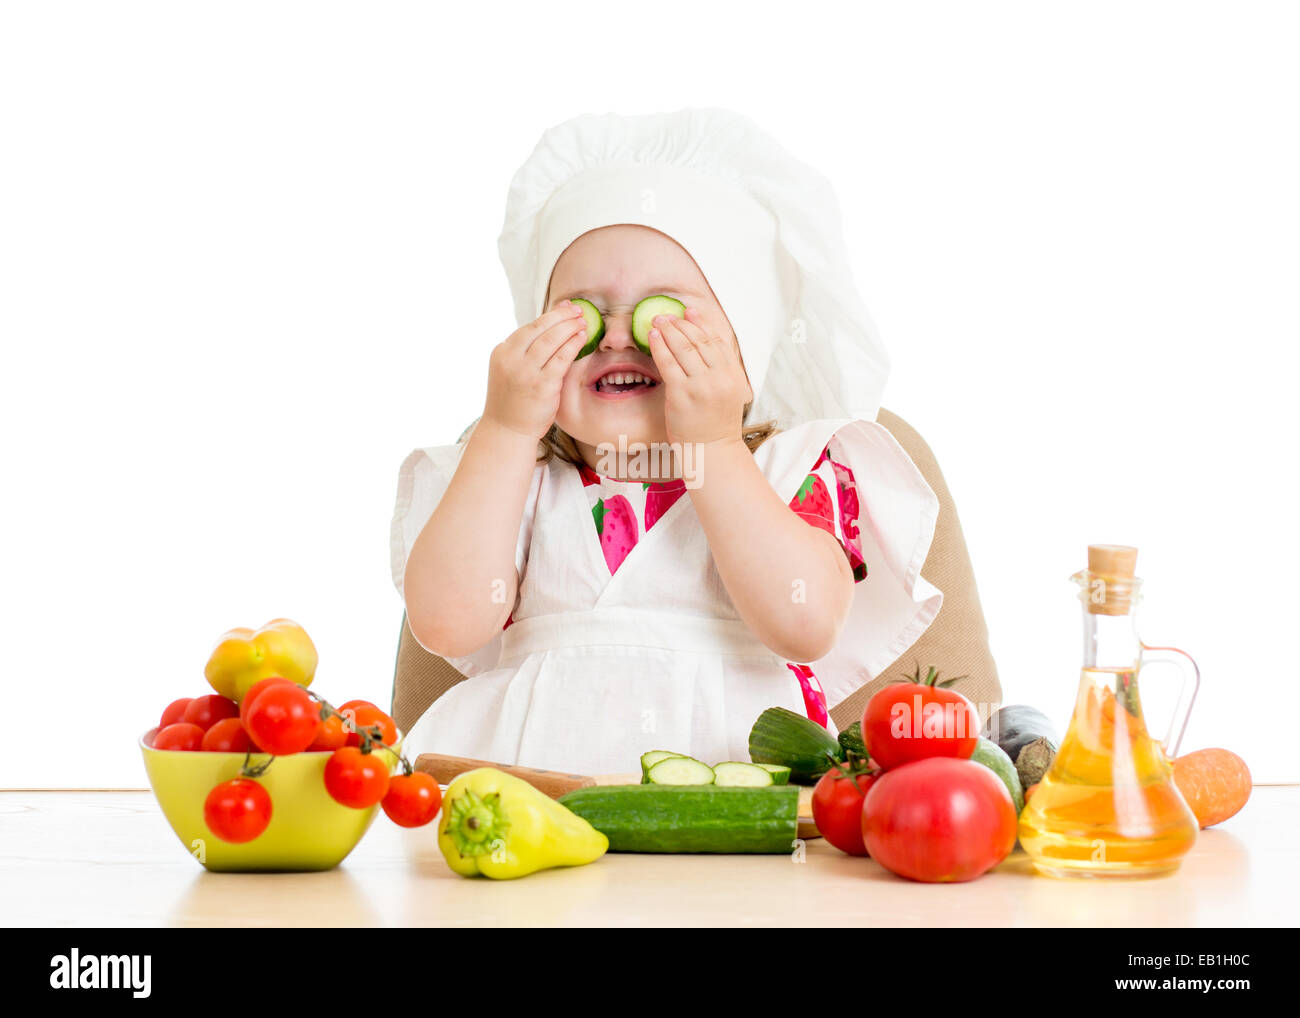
{"points": [[308, 829]]}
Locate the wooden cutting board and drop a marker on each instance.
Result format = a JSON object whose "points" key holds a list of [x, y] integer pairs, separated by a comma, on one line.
{"points": [[557, 783]]}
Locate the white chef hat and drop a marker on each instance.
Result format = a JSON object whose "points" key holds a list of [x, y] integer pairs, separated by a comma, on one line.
{"points": [[763, 227]]}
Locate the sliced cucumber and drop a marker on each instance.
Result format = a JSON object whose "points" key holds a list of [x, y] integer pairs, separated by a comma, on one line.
{"points": [[734, 774], [780, 774], [648, 760], [595, 325], [643, 317], [680, 770]]}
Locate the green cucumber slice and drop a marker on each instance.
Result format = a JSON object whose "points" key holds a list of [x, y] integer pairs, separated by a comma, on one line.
{"points": [[780, 774], [648, 760], [734, 774], [680, 770], [644, 313], [595, 326]]}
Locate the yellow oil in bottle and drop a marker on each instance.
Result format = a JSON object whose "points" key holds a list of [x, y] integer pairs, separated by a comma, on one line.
{"points": [[1108, 805]]}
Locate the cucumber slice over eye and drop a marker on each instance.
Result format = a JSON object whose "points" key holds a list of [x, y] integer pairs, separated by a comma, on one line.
{"points": [[595, 326], [643, 317]]}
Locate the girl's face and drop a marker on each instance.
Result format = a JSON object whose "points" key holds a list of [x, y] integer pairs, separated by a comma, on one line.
{"points": [[614, 267]]}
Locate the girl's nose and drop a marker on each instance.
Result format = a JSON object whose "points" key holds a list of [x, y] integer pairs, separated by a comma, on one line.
{"points": [[618, 333]]}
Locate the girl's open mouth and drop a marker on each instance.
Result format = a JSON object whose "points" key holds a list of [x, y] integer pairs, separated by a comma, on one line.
{"points": [[622, 383]]}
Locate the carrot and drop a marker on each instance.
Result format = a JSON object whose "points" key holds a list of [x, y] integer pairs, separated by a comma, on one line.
{"points": [[1030, 790], [1215, 783]]}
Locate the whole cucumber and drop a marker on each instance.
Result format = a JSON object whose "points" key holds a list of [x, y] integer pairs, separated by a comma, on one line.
{"points": [[690, 818]]}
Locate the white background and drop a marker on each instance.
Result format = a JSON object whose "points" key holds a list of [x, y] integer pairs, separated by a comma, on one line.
{"points": [[248, 261]]}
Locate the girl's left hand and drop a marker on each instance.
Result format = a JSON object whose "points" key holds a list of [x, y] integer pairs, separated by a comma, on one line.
{"points": [[705, 385]]}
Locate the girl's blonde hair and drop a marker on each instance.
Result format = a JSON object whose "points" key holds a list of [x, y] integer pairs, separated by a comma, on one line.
{"points": [[559, 444]]}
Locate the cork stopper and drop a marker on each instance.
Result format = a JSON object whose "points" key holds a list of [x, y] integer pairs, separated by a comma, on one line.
{"points": [[1115, 560], [1109, 584]]}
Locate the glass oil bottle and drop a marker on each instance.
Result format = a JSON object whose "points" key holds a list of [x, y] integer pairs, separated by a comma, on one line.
{"points": [[1108, 805]]}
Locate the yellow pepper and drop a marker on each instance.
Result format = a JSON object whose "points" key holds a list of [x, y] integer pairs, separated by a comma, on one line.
{"points": [[502, 827], [243, 657]]}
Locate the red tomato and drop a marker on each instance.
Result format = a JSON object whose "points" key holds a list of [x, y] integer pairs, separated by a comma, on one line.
{"points": [[238, 810], [356, 779], [206, 711], [283, 719], [255, 690], [181, 735], [837, 808], [227, 736], [939, 820], [910, 721], [332, 735], [175, 712], [412, 799], [367, 715]]}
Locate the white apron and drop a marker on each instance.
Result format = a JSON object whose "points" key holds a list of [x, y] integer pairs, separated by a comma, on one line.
{"points": [[597, 669]]}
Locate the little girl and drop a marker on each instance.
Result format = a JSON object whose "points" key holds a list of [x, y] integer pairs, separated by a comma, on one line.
{"points": [[644, 548]]}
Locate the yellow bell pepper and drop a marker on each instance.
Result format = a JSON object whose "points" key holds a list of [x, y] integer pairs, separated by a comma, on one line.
{"points": [[243, 657], [500, 826]]}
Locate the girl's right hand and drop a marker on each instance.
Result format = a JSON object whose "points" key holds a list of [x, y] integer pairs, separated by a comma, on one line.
{"points": [[526, 372]]}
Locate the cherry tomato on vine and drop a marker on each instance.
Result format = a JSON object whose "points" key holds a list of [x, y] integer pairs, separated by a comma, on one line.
{"points": [[908, 721], [367, 715], [206, 711], [412, 799], [255, 690], [237, 811], [227, 736], [284, 719], [332, 735], [837, 807], [181, 735], [175, 711], [356, 779]]}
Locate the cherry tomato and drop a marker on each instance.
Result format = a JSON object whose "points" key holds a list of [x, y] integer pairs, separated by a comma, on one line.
{"points": [[367, 715], [356, 779], [246, 704], [939, 820], [175, 712], [227, 736], [181, 735], [238, 810], [412, 799], [909, 721], [332, 735], [283, 719], [206, 711], [837, 807]]}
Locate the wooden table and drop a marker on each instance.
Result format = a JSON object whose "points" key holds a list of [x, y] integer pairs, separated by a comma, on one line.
{"points": [[80, 858]]}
